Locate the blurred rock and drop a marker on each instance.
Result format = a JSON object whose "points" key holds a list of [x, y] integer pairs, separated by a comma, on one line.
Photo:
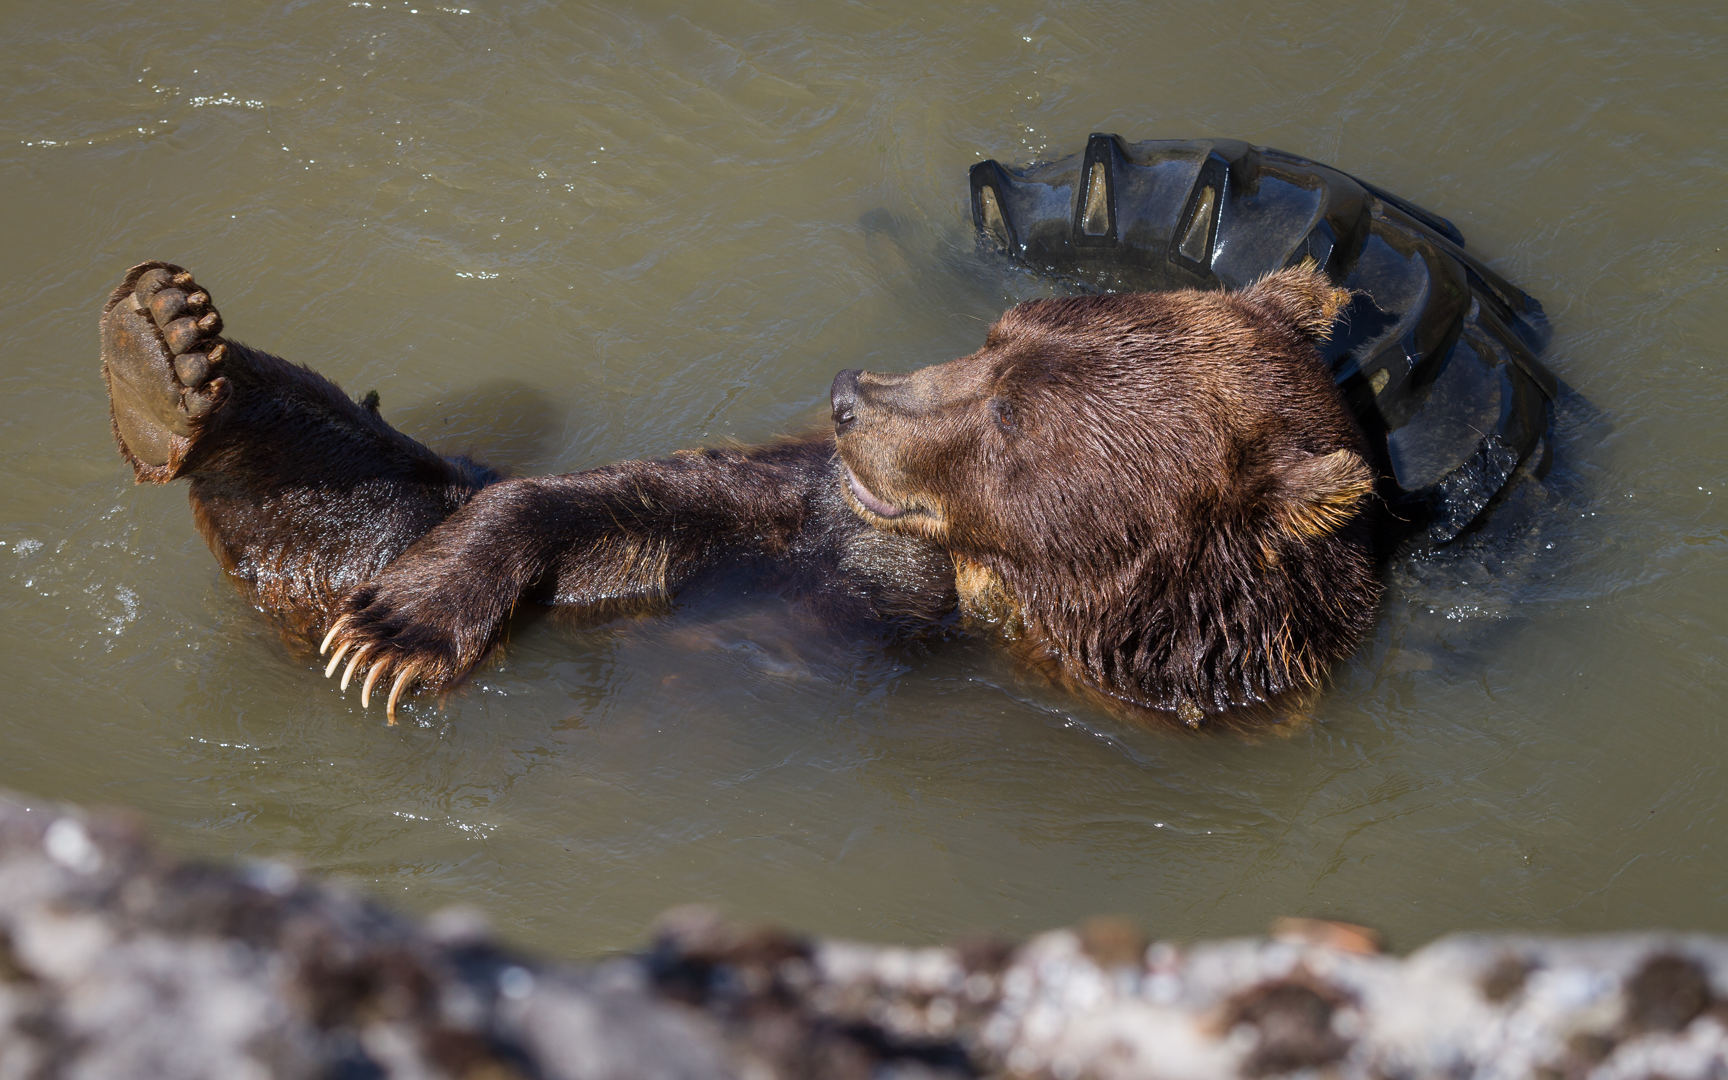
{"points": [[118, 962]]}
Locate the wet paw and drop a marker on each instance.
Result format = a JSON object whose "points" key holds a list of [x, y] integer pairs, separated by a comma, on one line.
{"points": [[162, 357], [407, 643]]}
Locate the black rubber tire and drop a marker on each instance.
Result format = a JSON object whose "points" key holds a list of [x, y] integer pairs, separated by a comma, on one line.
{"points": [[1437, 355]]}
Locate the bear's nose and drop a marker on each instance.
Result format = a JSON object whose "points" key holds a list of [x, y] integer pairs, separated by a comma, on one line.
{"points": [[844, 398]]}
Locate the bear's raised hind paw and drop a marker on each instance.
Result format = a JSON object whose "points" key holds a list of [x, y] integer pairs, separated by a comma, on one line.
{"points": [[162, 354]]}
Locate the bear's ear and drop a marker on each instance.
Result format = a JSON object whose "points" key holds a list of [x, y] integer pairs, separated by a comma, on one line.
{"points": [[1319, 494], [1302, 294]]}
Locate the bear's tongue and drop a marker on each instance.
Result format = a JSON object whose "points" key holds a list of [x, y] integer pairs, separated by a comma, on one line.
{"points": [[868, 501]]}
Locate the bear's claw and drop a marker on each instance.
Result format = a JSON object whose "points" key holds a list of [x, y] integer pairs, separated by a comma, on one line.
{"points": [[404, 679], [354, 662], [375, 640], [330, 669], [161, 357], [376, 661], [366, 690]]}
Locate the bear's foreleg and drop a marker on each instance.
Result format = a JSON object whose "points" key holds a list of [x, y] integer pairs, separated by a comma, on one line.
{"points": [[626, 532]]}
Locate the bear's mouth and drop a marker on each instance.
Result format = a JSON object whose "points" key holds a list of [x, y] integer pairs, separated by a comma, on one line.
{"points": [[865, 498]]}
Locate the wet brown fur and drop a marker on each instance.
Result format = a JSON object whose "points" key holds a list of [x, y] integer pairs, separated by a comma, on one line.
{"points": [[1165, 488], [1158, 497]]}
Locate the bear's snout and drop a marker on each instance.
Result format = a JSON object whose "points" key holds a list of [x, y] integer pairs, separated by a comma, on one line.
{"points": [[866, 398], [843, 398], [874, 395]]}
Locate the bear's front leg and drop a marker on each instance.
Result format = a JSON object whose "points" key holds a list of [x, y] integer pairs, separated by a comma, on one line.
{"points": [[434, 612], [631, 531]]}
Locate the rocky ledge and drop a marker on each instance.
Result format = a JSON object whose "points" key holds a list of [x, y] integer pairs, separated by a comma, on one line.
{"points": [[118, 961]]}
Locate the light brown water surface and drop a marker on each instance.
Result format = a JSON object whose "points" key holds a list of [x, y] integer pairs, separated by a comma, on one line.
{"points": [[560, 235]]}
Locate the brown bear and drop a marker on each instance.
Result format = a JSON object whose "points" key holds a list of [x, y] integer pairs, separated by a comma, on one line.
{"points": [[1160, 498]]}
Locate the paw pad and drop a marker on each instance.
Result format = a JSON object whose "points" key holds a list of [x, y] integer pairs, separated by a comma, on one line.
{"points": [[161, 351]]}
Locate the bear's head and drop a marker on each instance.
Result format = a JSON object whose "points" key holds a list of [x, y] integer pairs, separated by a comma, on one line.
{"points": [[1164, 491]]}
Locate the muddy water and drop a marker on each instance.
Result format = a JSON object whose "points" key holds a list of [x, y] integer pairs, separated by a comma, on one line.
{"points": [[562, 235]]}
